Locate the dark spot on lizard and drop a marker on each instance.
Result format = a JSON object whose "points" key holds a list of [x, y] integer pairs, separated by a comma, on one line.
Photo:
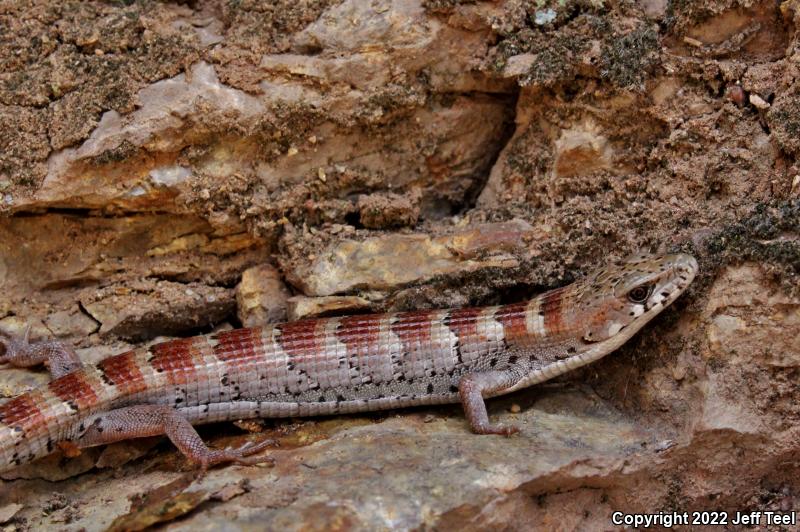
{"points": [[321, 399], [512, 359], [571, 350], [453, 388], [430, 388], [106, 379], [224, 380], [493, 362], [340, 398]]}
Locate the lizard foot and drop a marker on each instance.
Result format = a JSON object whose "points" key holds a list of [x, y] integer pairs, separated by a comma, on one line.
{"points": [[241, 455]]}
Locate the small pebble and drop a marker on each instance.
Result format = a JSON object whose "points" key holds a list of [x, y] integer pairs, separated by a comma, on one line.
{"points": [[693, 42], [758, 102]]}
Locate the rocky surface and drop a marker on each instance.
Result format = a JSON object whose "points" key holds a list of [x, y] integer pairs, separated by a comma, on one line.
{"points": [[172, 169]]}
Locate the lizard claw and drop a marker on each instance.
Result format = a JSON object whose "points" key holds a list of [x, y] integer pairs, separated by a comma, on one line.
{"points": [[243, 454], [240, 455]]}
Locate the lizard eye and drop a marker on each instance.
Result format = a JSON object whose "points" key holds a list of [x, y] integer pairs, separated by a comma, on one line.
{"points": [[640, 294]]}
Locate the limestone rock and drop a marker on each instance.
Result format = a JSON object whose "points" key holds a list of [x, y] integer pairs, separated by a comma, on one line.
{"points": [[300, 307], [396, 260], [261, 296], [145, 309], [71, 322]]}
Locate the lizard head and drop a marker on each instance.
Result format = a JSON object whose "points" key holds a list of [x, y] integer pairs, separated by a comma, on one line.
{"points": [[616, 301]]}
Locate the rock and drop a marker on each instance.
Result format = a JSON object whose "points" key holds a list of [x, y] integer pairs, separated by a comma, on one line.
{"points": [[8, 511], [581, 151], [758, 102], [72, 322], [300, 307], [56, 466], [321, 464], [261, 296], [753, 331], [388, 210], [396, 260], [146, 309], [17, 325], [768, 334], [336, 96]]}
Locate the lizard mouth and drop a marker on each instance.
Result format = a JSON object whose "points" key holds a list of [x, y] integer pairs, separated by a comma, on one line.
{"points": [[681, 271]]}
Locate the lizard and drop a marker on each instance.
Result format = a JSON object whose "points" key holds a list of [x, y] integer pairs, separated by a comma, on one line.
{"points": [[329, 366]]}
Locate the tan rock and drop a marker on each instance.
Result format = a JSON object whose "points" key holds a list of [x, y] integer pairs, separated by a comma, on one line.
{"points": [[581, 151], [388, 210], [395, 260], [758, 102], [148, 308], [367, 58], [72, 322], [752, 329], [767, 333], [299, 307], [261, 296]]}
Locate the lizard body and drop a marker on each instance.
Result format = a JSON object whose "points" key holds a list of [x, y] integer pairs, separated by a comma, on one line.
{"points": [[332, 366]]}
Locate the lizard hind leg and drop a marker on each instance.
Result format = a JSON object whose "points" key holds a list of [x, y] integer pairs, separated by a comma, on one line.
{"points": [[140, 421]]}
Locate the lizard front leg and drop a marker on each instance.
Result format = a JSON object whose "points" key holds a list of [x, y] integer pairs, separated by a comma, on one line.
{"points": [[59, 358], [141, 421]]}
